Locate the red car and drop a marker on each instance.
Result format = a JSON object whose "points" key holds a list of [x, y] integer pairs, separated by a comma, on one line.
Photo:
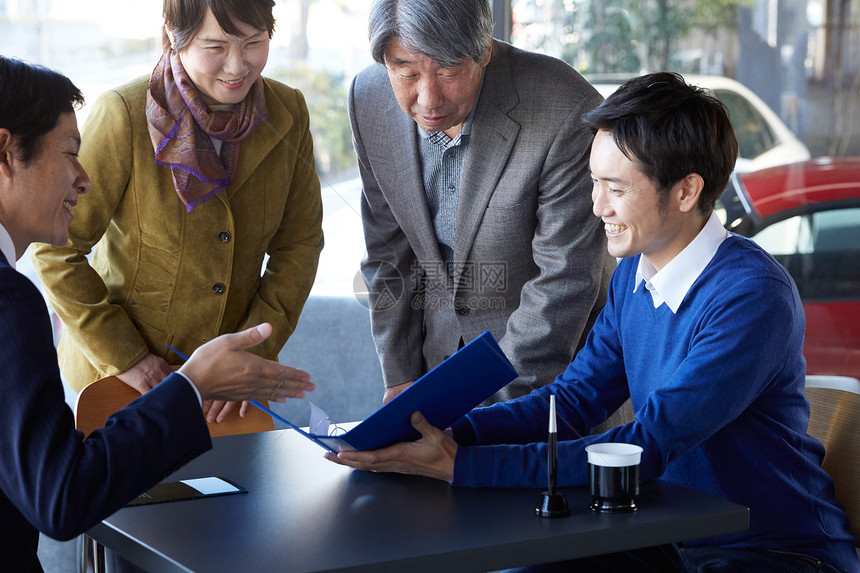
{"points": [[807, 215]]}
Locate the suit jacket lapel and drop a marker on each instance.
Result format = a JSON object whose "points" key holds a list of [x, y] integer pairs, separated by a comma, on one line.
{"points": [[492, 140], [406, 195]]}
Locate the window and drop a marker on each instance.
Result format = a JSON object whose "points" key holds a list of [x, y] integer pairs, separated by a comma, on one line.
{"points": [[801, 59], [820, 250], [318, 46], [754, 135]]}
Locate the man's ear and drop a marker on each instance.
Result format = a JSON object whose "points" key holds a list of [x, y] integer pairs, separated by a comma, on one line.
{"points": [[689, 189], [487, 56], [7, 150]]}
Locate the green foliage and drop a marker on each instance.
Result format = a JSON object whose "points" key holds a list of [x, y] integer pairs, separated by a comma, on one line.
{"points": [[718, 13], [626, 36], [612, 44], [325, 94]]}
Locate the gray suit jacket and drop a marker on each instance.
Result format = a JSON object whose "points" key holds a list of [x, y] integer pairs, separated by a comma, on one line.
{"points": [[530, 258]]}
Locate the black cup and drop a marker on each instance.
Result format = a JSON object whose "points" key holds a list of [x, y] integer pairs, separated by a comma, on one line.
{"points": [[613, 477], [613, 489]]}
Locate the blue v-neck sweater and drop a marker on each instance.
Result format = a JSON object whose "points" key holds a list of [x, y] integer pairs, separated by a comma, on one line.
{"points": [[718, 394]]}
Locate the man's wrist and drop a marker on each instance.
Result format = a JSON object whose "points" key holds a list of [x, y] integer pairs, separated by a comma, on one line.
{"points": [[193, 387]]}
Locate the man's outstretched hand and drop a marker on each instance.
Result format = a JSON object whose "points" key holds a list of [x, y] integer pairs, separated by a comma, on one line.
{"points": [[222, 370]]}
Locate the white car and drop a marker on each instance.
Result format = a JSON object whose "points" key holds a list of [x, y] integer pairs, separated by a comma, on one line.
{"points": [[763, 139]]}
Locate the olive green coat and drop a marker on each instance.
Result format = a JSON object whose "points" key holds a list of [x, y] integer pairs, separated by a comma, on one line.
{"points": [[161, 275]]}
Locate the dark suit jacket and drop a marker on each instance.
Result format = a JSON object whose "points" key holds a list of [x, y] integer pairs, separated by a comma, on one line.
{"points": [[532, 265], [51, 480]]}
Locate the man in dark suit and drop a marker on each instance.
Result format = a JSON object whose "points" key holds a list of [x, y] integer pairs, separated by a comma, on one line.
{"points": [[476, 196], [51, 480]]}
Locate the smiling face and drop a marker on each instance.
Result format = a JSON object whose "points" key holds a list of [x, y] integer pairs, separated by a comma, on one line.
{"points": [[437, 98], [628, 203], [38, 205], [224, 67]]}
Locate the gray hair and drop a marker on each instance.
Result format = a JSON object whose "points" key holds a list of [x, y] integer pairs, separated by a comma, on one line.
{"points": [[446, 31]]}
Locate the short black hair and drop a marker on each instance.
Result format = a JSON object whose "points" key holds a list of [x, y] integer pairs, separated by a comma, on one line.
{"points": [[670, 129], [32, 98]]}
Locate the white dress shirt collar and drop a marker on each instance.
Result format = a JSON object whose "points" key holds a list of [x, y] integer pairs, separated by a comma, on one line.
{"points": [[672, 282], [7, 246]]}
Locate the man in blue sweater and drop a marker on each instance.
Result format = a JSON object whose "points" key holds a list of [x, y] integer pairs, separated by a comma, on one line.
{"points": [[702, 329]]}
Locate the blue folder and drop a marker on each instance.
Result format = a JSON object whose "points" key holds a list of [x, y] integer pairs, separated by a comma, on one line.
{"points": [[443, 395]]}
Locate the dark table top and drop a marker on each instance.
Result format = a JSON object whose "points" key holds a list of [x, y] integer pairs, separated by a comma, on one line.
{"points": [[304, 513]]}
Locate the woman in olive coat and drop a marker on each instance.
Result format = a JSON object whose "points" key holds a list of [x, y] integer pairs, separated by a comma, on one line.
{"points": [[199, 172]]}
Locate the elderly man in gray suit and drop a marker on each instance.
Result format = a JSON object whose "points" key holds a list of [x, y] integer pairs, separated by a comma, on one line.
{"points": [[477, 196]]}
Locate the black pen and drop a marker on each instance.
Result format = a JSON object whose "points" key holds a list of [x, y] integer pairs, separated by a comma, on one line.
{"points": [[552, 504], [552, 445]]}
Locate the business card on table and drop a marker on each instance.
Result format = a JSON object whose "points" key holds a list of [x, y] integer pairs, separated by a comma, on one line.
{"points": [[187, 489]]}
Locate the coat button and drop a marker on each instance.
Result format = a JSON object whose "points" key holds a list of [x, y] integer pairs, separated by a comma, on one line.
{"points": [[463, 311], [219, 288], [224, 236]]}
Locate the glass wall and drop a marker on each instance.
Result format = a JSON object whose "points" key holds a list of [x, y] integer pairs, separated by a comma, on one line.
{"points": [[787, 69], [318, 46], [801, 58]]}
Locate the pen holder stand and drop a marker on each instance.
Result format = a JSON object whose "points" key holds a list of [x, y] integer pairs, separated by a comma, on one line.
{"points": [[552, 505]]}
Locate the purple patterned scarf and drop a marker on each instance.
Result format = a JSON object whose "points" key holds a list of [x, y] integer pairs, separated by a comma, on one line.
{"points": [[180, 125]]}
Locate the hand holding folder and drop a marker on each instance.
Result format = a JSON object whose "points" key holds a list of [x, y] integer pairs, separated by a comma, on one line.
{"points": [[443, 395]]}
